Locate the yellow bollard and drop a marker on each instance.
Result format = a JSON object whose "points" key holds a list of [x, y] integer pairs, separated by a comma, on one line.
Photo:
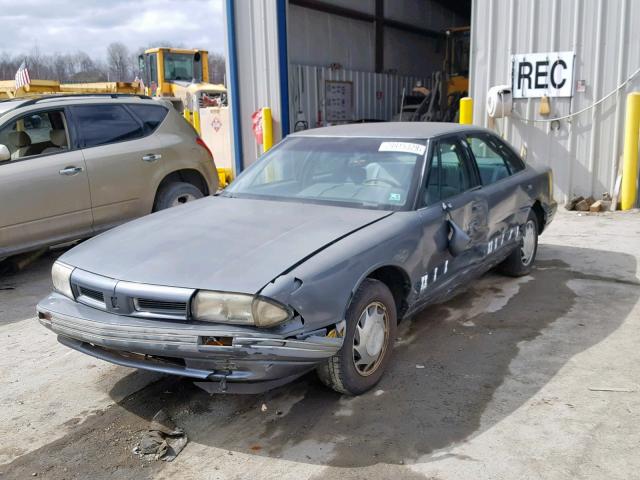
{"points": [[628, 193], [267, 129], [466, 110]]}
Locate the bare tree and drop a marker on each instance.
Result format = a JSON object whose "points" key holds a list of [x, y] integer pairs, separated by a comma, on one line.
{"points": [[119, 62], [217, 68], [120, 65]]}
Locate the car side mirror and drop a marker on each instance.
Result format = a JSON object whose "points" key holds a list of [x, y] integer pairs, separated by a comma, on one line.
{"points": [[5, 154], [459, 240]]}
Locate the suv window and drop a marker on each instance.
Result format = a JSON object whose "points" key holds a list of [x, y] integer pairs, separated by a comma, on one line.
{"points": [[449, 174], [36, 133], [151, 116], [103, 124], [495, 161]]}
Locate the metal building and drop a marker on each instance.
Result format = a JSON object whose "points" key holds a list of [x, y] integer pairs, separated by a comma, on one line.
{"points": [[584, 150], [284, 52]]}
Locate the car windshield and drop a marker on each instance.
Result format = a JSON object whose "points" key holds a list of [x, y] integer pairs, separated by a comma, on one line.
{"points": [[357, 172]]}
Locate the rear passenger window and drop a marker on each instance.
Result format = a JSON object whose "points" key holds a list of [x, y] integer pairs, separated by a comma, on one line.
{"points": [[103, 124], [151, 116], [448, 173], [494, 160]]}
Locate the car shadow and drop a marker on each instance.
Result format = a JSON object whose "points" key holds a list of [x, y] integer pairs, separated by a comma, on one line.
{"points": [[24, 281], [442, 387]]}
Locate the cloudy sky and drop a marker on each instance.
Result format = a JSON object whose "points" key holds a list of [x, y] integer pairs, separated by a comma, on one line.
{"points": [[66, 26]]}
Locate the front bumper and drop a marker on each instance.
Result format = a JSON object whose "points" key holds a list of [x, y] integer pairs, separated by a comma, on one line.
{"points": [[253, 362]]}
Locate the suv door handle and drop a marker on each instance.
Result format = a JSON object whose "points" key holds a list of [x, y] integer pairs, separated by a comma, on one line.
{"points": [[152, 157], [70, 171]]}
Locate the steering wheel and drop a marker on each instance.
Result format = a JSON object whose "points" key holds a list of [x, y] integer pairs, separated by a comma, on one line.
{"points": [[393, 183]]}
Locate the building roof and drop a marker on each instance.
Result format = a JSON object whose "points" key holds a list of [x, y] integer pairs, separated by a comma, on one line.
{"points": [[388, 130]]}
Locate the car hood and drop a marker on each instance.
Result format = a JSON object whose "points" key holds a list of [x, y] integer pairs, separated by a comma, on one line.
{"points": [[218, 243]]}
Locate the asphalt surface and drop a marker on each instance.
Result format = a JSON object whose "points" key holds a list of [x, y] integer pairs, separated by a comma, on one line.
{"points": [[515, 378]]}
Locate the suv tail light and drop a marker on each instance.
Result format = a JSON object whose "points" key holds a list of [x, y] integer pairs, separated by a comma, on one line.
{"points": [[200, 142]]}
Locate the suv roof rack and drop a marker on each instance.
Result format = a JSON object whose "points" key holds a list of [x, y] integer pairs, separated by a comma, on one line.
{"points": [[35, 100]]}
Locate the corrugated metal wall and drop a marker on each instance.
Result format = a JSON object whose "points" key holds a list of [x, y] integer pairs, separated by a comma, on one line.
{"points": [[320, 38], [585, 151], [258, 74], [306, 90]]}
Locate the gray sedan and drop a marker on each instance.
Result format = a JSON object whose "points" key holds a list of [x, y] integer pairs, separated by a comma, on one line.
{"points": [[308, 260]]}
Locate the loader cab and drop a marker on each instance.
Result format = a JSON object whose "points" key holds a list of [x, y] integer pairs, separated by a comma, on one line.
{"points": [[164, 69], [456, 63]]}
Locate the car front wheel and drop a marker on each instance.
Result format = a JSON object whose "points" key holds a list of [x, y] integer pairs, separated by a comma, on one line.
{"points": [[368, 341]]}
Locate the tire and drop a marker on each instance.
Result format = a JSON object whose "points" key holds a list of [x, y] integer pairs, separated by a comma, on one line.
{"points": [[520, 261], [176, 193], [372, 302]]}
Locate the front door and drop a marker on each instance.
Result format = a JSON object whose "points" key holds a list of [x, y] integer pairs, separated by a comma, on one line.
{"points": [[44, 193], [120, 162], [454, 217]]}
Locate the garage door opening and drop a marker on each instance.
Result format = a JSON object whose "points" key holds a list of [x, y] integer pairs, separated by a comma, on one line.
{"points": [[376, 60]]}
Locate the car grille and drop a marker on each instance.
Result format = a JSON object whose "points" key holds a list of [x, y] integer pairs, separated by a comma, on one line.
{"points": [[90, 293], [129, 298], [160, 306]]}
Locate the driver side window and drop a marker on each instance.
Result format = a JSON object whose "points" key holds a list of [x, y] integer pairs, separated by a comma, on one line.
{"points": [[35, 134], [449, 174]]}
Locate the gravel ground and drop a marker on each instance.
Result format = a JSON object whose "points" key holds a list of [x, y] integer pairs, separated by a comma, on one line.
{"points": [[516, 378]]}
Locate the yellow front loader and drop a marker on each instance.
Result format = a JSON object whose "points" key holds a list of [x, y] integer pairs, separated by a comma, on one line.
{"points": [[181, 76]]}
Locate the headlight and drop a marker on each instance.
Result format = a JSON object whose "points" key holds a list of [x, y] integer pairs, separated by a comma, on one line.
{"points": [[61, 276], [238, 308]]}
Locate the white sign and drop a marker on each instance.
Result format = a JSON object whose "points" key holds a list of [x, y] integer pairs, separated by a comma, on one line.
{"points": [[338, 99], [538, 74], [404, 147]]}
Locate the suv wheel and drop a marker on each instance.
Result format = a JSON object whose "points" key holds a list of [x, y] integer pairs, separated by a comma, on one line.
{"points": [[175, 194], [369, 339]]}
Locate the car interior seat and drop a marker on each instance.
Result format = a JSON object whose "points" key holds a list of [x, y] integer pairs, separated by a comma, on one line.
{"points": [[356, 173], [21, 142], [58, 138]]}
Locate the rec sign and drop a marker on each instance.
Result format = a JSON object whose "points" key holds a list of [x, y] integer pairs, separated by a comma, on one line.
{"points": [[534, 75]]}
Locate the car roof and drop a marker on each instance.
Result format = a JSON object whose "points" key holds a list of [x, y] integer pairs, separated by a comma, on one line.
{"points": [[7, 105], [421, 130]]}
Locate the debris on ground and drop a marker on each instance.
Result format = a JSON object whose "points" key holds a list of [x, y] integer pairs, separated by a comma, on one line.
{"points": [[419, 366], [589, 204], [163, 440], [264, 407]]}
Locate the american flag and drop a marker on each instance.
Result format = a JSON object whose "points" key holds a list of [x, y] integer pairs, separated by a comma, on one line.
{"points": [[22, 76]]}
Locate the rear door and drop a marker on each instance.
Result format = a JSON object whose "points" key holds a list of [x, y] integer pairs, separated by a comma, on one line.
{"points": [[451, 200], [121, 163], [508, 202], [44, 192]]}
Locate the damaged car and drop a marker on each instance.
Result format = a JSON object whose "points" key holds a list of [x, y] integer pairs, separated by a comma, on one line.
{"points": [[307, 261]]}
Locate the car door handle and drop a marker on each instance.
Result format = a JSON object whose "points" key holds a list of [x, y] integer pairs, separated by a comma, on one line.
{"points": [[70, 171], [152, 157]]}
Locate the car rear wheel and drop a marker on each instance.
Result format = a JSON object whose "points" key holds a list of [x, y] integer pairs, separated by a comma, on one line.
{"points": [[368, 341], [175, 194], [520, 261]]}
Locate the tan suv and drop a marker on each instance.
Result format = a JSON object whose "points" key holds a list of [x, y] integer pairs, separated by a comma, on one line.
{"points": [[73, 166]]}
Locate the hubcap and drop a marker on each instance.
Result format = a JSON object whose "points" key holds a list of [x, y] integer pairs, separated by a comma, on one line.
{"points": [[528, 246], [371, 338], [184, 198]]}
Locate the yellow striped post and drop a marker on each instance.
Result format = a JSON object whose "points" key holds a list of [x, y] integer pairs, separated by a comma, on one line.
{"points": [[629, 190], [466, 110]]}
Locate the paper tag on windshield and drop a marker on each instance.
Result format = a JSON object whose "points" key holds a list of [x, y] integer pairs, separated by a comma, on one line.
{"points": [[405, 147]]}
